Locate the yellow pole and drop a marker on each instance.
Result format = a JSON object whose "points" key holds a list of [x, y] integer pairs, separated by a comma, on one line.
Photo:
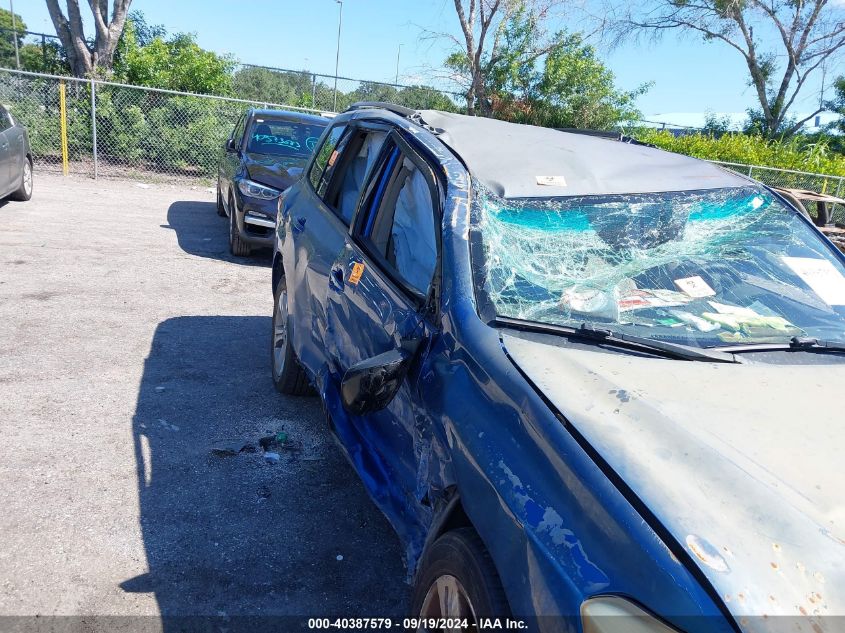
{"points": [[63, 125], [824, 186]]}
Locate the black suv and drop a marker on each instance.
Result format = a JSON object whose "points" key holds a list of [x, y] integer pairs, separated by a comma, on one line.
{"points": [[264, 156]]}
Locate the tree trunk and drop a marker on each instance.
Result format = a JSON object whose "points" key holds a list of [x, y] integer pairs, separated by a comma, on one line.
{"points": [[84, 59]]}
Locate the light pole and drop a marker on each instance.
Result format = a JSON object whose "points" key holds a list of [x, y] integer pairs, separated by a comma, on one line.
{"points": [[398, 52], [15, 35], [337, 55]]}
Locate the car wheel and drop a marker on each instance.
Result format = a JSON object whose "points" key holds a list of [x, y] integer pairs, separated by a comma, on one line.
{"points": [[24, 192], [457, 579], [236, 245], [288, 375], [221, 210]]}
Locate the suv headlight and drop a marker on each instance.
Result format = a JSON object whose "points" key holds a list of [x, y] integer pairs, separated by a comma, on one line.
{"points": [[255, 190], [610, 614]]}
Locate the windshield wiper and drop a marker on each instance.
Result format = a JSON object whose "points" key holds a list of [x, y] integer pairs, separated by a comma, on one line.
{"points": [[796, 344], [628, 341]]}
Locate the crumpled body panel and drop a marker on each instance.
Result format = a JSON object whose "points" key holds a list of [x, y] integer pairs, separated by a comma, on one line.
{"points": [[728, 459]]}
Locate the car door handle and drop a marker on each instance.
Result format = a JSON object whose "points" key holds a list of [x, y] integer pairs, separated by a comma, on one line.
{"points": [[299, 224], [336, 279]]}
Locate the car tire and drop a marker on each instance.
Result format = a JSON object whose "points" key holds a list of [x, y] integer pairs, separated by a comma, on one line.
{"points": [[288, 375], [24, 192], [236, 245], [221, 210], [457, 564]]}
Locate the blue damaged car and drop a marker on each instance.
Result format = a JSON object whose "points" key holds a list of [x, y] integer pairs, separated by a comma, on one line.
{"points": [[594, 386]]}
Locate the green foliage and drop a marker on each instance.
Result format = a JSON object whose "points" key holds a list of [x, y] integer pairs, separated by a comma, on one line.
{"points": [[263, 84], [715, 125], [45, 57], [563, 85], [7, 37], [175, 63], [305, 90], [752, 149]]}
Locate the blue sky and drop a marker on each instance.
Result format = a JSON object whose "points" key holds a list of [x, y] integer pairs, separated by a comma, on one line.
{"points": [[689, 75]]}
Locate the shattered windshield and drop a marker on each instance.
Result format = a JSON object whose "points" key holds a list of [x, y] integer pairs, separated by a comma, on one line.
{"points": [[703, 268]]}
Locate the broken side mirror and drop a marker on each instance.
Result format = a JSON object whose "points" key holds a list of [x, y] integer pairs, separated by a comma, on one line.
{"points": [[371, 384]]}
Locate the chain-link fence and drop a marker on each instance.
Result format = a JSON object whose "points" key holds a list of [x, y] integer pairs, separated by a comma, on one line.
{"points": [[335, 94], [791, 179], [114, 130]]}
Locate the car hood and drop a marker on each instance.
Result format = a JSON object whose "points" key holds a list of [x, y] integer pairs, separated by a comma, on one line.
{"points": [[279, 172], [742, 464]]}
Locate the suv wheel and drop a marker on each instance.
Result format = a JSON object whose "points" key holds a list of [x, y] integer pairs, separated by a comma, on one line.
{"points": [[457, 579], [236, 245], [24, 192], [288, 376]]}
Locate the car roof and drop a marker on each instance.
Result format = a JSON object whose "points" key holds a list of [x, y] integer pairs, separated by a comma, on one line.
{"points": [[291, 115], [525, 161]]}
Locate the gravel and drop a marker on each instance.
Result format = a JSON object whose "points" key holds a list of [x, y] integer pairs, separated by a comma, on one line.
{"points": [[133, 347]]}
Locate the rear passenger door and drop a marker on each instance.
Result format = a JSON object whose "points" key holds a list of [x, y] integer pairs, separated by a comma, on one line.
{"points": [[383, 295], [318, 212]]}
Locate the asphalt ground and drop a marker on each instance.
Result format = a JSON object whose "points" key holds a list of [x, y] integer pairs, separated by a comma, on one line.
{"points": [[134, 393]]}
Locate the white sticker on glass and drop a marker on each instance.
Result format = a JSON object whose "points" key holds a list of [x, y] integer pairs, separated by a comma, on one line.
{"points": [[551, 181], [827, 282], [695, 287]]}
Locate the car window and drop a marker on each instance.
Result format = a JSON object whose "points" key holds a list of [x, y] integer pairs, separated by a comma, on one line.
{"points": [[355, 168], [238, 132], [325, 157], [5, 120], [277, 137], [403, 229]]}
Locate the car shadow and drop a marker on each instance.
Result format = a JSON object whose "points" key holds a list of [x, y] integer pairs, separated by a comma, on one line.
{"points": [[228, 534], [200, 231]]}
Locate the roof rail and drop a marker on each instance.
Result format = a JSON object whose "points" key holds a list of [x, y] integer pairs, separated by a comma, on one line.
{"points": [[383, 105], [408, 113]]}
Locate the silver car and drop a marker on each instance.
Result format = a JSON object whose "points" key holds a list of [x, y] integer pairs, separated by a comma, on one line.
{"points": [[15, 159]]}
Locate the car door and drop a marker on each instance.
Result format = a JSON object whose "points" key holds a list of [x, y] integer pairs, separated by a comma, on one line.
{"points": [[231, 157], [7, 153], [315, 213], [382, 297]]}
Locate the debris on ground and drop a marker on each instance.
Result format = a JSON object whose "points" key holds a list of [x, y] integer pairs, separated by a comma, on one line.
{"points": [[339, 557], [231, 449], [279, 442], [272, 458]]}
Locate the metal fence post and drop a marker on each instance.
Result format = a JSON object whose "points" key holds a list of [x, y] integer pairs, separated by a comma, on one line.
{"points": [[750, 170], [313, 91], [94, 123], [63, 126]]}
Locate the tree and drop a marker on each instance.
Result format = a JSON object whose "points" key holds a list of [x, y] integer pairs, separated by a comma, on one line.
{"points": [[274, 86], [482, 24], [8, 36], [175, 63], [47, 57], [87, 58], [802, 33], [565, 86]]}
